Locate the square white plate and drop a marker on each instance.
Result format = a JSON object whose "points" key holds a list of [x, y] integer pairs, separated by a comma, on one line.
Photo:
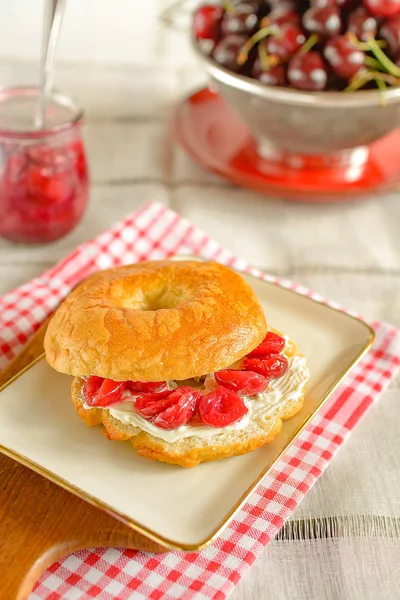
{"points": [[182, 509]]}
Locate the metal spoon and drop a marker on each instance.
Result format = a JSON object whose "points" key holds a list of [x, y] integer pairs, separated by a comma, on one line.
{"points": [[52, 19]]}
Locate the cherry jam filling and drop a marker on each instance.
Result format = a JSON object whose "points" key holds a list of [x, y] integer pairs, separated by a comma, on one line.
{"points": [[43, 191], [172, 408]]}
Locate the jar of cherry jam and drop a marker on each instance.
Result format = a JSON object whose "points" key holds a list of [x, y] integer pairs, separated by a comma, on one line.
{"points": [[43, 173]]}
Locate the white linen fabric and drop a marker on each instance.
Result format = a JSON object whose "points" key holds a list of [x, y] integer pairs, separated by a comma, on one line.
{"points": [[343, 541]]}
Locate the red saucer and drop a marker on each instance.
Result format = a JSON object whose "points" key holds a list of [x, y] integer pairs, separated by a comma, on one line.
{"points": [[215, 137]]}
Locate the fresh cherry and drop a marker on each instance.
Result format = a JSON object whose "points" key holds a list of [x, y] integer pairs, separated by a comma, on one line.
{"points": [[308, 72], [281, 15], [390, 32], [207, 21], [243, 19], [362, 24], [324, 3], [271, 344], [266, 40], [344, 58], [242, 382], [171, 412], [102, 392], [325, 22], [383, 8], [254, 4], [275, 365], [221, 407], [284, 5], [226, 51], [272, 76], [287, 40]]}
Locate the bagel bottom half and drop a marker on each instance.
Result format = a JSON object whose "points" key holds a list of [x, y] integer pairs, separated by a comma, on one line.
{"points": [[191, 451]]}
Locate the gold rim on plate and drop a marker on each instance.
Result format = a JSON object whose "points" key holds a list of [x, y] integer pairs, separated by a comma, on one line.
{"points": [[149, 533]]}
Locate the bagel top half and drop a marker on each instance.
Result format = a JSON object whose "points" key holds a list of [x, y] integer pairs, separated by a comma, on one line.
{"points": [[155, 321]]}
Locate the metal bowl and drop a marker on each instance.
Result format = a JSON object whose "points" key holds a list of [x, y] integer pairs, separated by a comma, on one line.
{"points": [[298, 127]]}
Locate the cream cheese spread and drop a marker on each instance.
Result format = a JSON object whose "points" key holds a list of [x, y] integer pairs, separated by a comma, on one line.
{"points": [[279, 391]]}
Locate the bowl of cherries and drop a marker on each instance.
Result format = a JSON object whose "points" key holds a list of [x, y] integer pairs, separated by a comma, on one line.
{"points": [[312, 79]]}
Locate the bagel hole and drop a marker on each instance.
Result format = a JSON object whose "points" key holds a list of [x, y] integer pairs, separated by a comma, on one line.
{"points": [[153, 301]]}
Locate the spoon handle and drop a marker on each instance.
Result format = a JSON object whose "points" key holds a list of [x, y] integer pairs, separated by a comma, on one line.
{"points": [[53, 15]]}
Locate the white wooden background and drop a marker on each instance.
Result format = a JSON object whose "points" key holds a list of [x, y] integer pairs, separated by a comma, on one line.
{"points": [[349, 252]]}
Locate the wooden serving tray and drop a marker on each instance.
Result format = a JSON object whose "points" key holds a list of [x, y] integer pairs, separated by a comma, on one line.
{"points": [[40, 522]]}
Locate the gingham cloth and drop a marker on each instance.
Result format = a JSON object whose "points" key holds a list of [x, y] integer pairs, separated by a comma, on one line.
{"points": [[154, 233]]}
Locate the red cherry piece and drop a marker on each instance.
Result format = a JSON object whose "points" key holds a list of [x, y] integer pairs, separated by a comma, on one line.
{"points": [[273, 76], [323, 21], [107, 393], [390, 32], [207, 22], [159, 388], [308, 72], [242, 382], [49, 187], [242, 20], [221, 407], [149, 405], [91, 386], [15, 168], [171, 412], [180, 412], [362, 24], [271, 344], [275, 365], [79, 158], [383, 8], [344, 58], [288, 39], [226, 51]]}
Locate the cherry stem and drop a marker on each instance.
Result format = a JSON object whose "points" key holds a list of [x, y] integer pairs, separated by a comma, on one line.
{"points": [[382, 88], [365, 46], [383, 59], [251, 42], [373, 62], [380, 80], [361, 79], [308, 44], [263, 56], [265, 22], [228, 7]]}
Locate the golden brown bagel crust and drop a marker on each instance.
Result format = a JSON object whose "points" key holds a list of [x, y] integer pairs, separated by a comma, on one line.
{"points": [[154, 321], [189, 452]]}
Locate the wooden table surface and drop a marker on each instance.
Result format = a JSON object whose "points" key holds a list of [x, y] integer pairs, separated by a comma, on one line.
{"points": [[343, 541]]}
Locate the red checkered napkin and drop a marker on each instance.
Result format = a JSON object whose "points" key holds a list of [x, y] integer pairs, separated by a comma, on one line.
{"points": [[153, 233]]}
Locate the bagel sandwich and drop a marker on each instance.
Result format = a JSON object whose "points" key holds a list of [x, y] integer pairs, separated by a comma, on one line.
{"points": [[176, 357]]}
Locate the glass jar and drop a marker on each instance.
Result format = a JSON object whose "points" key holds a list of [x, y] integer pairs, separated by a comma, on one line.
{"points": [[43, 173]]}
